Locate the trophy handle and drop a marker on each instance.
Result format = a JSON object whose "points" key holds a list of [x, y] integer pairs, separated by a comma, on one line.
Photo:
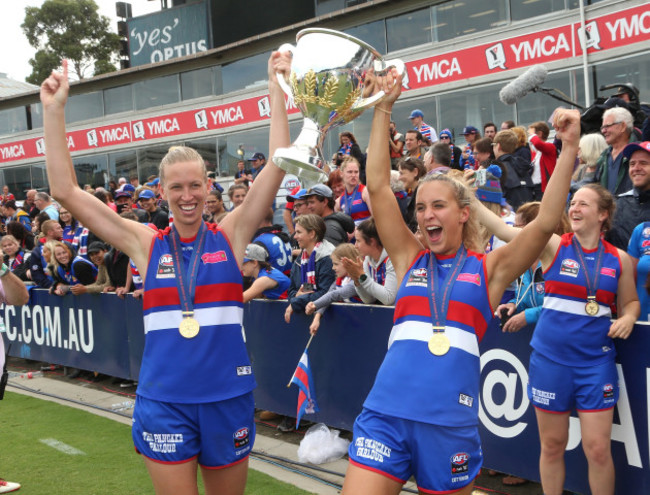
{"points": [[287, 47], [381, 67]]}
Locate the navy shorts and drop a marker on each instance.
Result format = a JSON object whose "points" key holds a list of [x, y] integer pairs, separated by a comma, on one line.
{"points": [[441, 458], [557, 388], [218, 434]]}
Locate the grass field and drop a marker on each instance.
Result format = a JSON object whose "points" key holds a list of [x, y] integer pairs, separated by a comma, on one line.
{"points": [[53, 449]]}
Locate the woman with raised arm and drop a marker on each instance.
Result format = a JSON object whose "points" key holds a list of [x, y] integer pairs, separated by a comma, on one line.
{"points": [[422, 412], [572, 364], [194, 397]]}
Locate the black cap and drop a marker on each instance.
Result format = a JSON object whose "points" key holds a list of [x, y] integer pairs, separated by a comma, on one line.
{"points": [[96, 247]]}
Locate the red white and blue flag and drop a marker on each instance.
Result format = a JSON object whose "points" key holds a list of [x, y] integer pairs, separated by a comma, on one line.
{"points": [[306, 393]]}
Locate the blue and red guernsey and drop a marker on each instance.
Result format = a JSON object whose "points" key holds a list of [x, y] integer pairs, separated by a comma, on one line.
{"points": [[214, 365], [135, 275], [280, 291], [565, 333], [353, 204], [414, 384]]}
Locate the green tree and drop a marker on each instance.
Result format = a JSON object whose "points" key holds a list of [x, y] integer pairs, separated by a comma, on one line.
{"points": [[71, 29]]}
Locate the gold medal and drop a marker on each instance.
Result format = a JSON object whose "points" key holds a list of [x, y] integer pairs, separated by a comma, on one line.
{"points": [[189, 327], [592, 307], [439, 344]]}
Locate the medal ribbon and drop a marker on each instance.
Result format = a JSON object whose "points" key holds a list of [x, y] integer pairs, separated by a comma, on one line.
{"points": [[186, 279], [439, 305], [347, 198], [592, 282]]}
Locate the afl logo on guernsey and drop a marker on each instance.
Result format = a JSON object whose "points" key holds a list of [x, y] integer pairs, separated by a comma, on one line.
{"points": [[569, 267], [214, 257], [460, 463], [165, 267], [417, 277]]}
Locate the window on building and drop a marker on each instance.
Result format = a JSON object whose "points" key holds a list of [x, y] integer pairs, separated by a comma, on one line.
{"points": [[39, 178], [249, 142], [84, 107], [36, 112], [407, 30], [13, 120], [91, 170], [18, 179], [246, 73], [464, 17], [119, 99], [196, 83], [539, 106], [525, 9], [634, 70], [156, 92], [207, 148], [149, 159], [122, 164], [373, 33]]}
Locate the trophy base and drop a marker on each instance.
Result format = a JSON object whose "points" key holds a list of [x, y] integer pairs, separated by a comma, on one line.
{"points": [[300, 164]]}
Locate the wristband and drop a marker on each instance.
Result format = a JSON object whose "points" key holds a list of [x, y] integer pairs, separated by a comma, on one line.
{"points": [[4, 270]]}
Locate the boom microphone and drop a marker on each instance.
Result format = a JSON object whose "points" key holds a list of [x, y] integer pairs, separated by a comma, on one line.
{"points": [[524, 84]]}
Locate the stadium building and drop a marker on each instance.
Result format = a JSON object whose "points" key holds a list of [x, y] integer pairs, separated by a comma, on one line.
{"points": [[197, 75]]}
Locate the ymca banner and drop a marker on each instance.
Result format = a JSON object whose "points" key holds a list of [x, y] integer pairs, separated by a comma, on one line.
{"points": [[622, 28], [105, 333]]}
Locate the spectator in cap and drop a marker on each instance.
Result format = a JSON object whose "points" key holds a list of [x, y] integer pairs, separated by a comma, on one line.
{"points": [[354, 201], [447, 138], [96, 253], [154, 214], [12, 213], [633, 206], [124, 202], [429, 135], [258, 160], [268, 282], [338, 225], [489, 192], [237, 193], [295, 206], [213, 207], [467, 159]]}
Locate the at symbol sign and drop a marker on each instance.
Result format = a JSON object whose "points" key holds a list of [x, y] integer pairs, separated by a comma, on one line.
{"points": [[510, 381]]}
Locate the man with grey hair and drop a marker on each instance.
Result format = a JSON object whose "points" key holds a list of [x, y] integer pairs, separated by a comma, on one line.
{"points": [[28, 204], [438, 158], [612, 165], [44, 203]]}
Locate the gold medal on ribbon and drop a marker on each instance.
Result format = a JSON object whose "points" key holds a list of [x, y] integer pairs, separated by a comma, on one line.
{"points": [[189, 327], [592, 307], [439, 344]]}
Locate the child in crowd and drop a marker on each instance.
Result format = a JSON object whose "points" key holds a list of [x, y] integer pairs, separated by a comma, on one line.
{"points": [[342, 290]]}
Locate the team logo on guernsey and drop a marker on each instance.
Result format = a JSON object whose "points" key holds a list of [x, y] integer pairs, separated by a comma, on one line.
{"points": [[569, 267], [608, 272], [165, 267], [214, 257], [539, 288], [417, 278], [472, 278], [241, 438], [608, 392], [646, 232], [460, 463]]}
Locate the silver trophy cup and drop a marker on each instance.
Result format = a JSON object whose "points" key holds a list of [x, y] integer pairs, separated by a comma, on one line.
{"points": [[330, 85]]}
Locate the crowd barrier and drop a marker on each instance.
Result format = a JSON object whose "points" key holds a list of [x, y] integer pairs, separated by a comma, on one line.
{"points": [[104, 333]]}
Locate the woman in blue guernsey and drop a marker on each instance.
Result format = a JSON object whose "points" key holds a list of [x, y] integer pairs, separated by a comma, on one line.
{"points": [[69, 269], [572, 364], [194, 407], [268, 282], [421, 416]]}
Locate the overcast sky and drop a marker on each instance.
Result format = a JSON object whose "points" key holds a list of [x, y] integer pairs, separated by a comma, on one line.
{"points": [[16, 52]]}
